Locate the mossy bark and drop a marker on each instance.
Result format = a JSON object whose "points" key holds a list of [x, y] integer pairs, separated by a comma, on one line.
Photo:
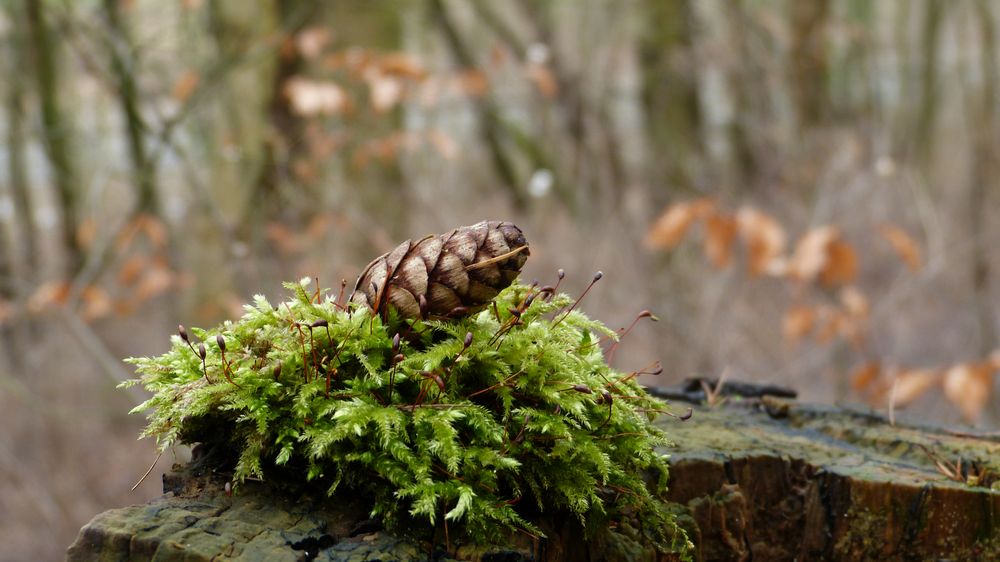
{"points": [[753, 480]]}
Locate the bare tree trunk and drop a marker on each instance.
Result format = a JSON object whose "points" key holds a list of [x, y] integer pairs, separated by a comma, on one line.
{"points": [[670, 94], [930, 38], [984, 181], [489, 114], [809, 68], [124, 70], [56, 128]]}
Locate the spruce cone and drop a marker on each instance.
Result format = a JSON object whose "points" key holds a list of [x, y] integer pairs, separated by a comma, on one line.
{"points": [[446, 275]]}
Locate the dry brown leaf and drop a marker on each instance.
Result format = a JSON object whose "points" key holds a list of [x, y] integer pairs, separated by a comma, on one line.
{"points": [[443, 143], [912, 384], [384, 91], [310, 97], [905, 246], [6, 311], [855, 302], [86, 233], [670, 228], [841, 265], [154, 229], [811, 254], [129, 271], [185, 85], [543, 79], [866, 374], [827, 325], [968, 386], [720, 234], [798, 322], [311, 42], [154, 282], [765, 240], [48, 294], [472, 83], [283, 237], [402, 65], [96, 303]]}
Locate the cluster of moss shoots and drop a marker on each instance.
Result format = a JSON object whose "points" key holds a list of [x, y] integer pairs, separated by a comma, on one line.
{"points": [[490, 423]]}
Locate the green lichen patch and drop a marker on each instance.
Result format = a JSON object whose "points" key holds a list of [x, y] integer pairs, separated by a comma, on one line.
{"points": [[481, 426]]}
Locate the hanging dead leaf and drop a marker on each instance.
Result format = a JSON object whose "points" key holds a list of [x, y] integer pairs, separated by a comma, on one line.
{"points": [[86, 233], [912, 384], [130, 269], [311, 42], [841, 264], [48, 294], [969, 386], [154, 229], [402, 65], [720, 234], [310, 97], [670, 228], [765, 240], [6, 311], [154, 282], [543, 79], [185, 85], [384, 91], [829, 324], [472, 83], [905, 246], [798, 322], [96, 303], [855, 302], [864, 375], [444, 144], [283, 237], [811, 253]]}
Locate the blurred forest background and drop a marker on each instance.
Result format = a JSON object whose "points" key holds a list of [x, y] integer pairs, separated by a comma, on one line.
{"points": [[162, 161]]}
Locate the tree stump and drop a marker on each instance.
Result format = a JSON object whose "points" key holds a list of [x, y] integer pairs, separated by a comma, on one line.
{"points": [[755, 479]]}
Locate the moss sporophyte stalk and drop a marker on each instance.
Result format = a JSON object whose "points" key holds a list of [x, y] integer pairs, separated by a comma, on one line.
{"points": [[489, 423]]}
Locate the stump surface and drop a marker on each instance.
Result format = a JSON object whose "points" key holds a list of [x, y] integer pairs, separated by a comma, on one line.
{"points": [[755, 479]]}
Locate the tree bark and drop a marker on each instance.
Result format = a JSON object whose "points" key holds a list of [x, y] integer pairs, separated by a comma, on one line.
{"points": [[56, 128], [124, 68]]}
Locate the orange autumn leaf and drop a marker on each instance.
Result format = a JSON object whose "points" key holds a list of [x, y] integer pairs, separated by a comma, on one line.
{"points": [[402, 65], [866, 374], [6, 311], [904, 245], [48, 294], [841, 265], [765, 240], [855, 302], [154, 282], [96, 303], [969, 386], [821, 254], [310, 97], [810, 256], [443, 143], [384, 91], [670, 228], [543, 79], [798, 322], [720, 234], [912, 384], [185, 85], [129, 271]]}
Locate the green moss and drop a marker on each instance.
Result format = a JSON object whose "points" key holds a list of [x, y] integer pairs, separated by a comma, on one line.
{"points": [[486, 424]]}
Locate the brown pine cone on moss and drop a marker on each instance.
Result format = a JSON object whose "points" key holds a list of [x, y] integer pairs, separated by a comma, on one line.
{"points": [[450, 274]]}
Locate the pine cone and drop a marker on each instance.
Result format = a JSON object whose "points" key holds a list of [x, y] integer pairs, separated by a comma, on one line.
{"points": [[446, 275]]}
